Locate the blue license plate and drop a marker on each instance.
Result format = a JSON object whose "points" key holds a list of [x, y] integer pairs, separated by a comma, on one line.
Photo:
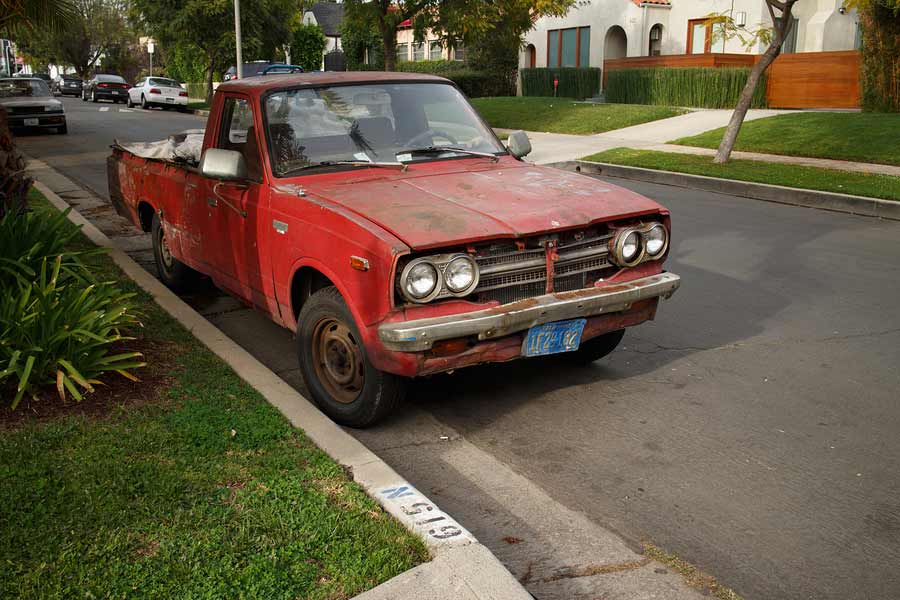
{"points": [[553, 338]]}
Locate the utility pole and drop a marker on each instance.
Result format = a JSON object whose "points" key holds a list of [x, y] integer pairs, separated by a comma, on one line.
{"points": [[150, 49], [237, 38]]}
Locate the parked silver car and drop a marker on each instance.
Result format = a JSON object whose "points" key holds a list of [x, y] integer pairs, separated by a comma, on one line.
{"points": [[30, 105]]}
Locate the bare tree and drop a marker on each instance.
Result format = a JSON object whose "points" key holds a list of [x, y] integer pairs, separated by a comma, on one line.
{"points": [[775, 36]]}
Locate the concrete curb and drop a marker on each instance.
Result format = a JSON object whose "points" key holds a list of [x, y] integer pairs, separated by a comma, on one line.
{"points": [[845, 203], [461, 567]]}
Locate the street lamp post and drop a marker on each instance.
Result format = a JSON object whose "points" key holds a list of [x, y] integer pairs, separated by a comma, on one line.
{"points": [[150, 49], [237, 38]]}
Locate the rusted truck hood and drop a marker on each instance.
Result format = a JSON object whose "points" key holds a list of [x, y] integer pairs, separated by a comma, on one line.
{"points": [[510, 200]]}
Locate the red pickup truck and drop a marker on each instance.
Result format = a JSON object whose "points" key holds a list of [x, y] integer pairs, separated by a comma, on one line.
{"points": [[378, 217]]}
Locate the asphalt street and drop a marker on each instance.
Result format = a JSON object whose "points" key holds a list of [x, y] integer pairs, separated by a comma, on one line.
{"points": [[753, 429]]}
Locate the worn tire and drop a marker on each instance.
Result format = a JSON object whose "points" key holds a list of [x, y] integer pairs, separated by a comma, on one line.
{"points": [[175, 274], [595, 348], [379, 394]]}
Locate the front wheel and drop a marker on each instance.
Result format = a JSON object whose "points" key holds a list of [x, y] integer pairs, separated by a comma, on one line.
{"points": [[144, 103], [336, 368], [175, 274], [596, 348]]}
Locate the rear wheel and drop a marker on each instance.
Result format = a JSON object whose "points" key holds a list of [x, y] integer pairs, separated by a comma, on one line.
{"points": [[336, 368], [175, 274], [596, 348]]}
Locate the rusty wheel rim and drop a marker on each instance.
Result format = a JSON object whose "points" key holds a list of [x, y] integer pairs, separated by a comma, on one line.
{"points": [[164, 251], [338, 359]]}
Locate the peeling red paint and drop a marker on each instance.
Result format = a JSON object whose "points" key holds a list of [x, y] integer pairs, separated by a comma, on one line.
{"points": [[282, 228]]}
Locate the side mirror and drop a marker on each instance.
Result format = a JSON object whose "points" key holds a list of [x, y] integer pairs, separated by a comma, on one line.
{"points": [[227, 165], [518, 143]]}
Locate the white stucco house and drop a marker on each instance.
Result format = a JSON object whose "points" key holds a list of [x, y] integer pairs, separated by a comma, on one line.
{"points": [[329, 16], [596, 30]]}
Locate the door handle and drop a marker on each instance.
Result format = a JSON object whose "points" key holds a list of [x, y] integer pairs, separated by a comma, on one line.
{"points": [[215, 201]]}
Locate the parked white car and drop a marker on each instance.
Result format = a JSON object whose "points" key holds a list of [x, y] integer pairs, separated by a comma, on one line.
{"points": [[158, 91]]}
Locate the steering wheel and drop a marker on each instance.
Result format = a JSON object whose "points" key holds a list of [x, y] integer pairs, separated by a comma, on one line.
{"points": [[427, 137]]}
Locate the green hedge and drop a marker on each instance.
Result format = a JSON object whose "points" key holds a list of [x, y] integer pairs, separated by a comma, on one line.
{"points": [[694, 87], [475, 84], [573, 82], [196, 90]]}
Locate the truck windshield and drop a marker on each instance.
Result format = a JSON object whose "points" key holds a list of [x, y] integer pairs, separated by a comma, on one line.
{"points": [[377, 123]]}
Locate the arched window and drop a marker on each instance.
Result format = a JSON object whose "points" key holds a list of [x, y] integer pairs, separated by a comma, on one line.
{"points": [[531, 56]]}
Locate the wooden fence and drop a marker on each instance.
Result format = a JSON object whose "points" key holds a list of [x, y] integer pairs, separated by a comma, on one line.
{"points": [[797, 80]]}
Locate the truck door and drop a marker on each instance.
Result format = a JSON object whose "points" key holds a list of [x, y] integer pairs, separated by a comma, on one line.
{"points": [[237, 207]]}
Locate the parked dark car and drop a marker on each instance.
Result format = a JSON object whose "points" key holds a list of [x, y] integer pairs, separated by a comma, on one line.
{"points": [[66, 85], [105, 86], [30, 106], [262, 67]]}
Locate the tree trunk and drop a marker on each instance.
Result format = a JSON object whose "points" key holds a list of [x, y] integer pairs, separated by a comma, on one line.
{"points": [[743, 105], [723, 154], [210, 71], [389, 45]]}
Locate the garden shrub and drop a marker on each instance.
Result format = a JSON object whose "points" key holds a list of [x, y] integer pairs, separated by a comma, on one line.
{"points": [[574, 82], [474, 84], [57, 323], [692, 87]]}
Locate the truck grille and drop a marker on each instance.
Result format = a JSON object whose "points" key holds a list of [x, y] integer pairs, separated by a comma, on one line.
{"points": [[513, 270], [510, 273]]}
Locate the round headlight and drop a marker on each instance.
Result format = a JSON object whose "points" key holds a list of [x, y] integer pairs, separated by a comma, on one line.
{"points": [[461, 275], [419, 280], [655, 240], [631, 246]]}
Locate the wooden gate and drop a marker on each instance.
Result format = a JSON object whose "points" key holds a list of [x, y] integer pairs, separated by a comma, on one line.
{"points": [[815, 80]]}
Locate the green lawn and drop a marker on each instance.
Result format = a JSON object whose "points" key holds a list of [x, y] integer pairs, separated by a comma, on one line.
{"points": [[862, 137], [560, 115], [860, 184], [201, 489]]}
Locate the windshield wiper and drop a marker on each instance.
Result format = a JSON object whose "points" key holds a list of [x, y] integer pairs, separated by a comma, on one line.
{"points": [[348, 163], [442, 149]]}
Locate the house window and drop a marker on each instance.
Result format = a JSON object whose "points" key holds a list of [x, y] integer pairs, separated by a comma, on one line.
{"points": [[790, 42], [435, 51], [419, 51], [569, 47], [459, 51], [402, 52], [705, 37]]}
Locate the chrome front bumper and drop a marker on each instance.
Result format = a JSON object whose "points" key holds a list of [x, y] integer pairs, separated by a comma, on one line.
{"points": [[492, 323]]}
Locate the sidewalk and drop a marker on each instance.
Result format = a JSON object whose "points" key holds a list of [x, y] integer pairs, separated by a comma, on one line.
{"points": [[556, 147]]}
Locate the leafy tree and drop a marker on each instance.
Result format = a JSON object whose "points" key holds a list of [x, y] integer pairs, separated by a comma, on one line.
{"points": [[386, 15], [94, 28], [467, 20], [358, 40], [774, 36], [307, 46], [209, 26], [880, 77]]}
